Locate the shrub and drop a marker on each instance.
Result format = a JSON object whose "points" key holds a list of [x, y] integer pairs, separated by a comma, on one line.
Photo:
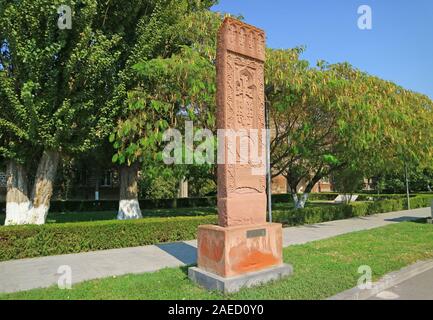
{"points": [[18, 242], [376, 197], [159, 187], [113, 205], [421, 201], [358, 209], [287, 197], [310, 215], [348, 180], [323, 196]]}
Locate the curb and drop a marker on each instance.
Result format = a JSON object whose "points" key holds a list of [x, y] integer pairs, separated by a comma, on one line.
{"points": [[390, 280]]}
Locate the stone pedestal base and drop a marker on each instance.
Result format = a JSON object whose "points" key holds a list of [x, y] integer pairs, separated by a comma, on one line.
{"points": [[212, 281], [233, 251], [234, 257], [430, 220]]}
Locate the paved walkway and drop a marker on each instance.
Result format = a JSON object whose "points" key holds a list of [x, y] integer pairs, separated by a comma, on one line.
{"points": [[419, 287], [25, 274]]}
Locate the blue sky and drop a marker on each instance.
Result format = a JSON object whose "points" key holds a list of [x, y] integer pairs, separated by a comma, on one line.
{"points": [[398, 48]]}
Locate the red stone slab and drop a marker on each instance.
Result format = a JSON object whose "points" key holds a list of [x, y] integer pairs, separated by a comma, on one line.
{"points": [[241, 106]]}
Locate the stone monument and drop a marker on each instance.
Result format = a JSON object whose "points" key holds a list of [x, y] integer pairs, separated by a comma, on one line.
{"points": [[243, 250]]}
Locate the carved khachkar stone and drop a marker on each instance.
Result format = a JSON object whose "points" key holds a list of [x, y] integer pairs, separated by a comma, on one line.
{"points": [[243, 250], [240, 100]]}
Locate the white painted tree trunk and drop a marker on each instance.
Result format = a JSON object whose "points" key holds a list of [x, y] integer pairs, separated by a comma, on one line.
{"points": [[17, 200], [183, 188], [20, 209], [43, 187], [300, 201], [129, 207]]}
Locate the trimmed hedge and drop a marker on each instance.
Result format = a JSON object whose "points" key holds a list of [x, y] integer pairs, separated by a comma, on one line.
{"points": [[113, 205], [287, 197], [384, 196], [17, 242], [310, 215], [330, 196]]}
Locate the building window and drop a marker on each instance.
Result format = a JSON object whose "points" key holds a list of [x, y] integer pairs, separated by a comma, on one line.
{"points": [[106, 179], [81, 177]]}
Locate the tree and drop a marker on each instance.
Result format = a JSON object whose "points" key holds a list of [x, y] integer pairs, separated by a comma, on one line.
{"points": [[421, 180], [158, 181], [300, 98], [312, 110], [177, 86], [348, 181], [61, 90], [55, 88], [335, 117], [202, 180]]}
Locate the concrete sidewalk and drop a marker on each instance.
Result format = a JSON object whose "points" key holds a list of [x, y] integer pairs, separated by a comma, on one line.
{"points": [[412, 282], [25, 274], [419, 287]]}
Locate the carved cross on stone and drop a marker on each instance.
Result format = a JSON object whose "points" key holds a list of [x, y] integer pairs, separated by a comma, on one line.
{"points": [[245, 90]]}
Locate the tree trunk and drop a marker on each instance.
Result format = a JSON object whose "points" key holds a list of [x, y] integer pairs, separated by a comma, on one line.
{"points": [[43, 187], [17, 200], [317, 177], [129, 207], [300, 201], [183, 188]]}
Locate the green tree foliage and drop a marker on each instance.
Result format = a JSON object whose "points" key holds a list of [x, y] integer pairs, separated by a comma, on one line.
{"points": [[326, 118], [333, 117], [176, 86], [62, 90], [159, 181], [420, 180], [348, 181], [170, 90]]}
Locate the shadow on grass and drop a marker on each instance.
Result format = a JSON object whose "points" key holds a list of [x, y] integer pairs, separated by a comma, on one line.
{"points": [[184, 269], [407, 219], [421, 221]]}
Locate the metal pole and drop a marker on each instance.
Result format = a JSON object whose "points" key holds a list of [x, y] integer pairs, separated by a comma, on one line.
{"points": [[407, 188], [430, 219], [431, 211], [268, 162]]}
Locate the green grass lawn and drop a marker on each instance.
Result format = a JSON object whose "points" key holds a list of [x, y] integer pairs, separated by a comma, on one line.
{"points": [[62, 217], [322, 269]]}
